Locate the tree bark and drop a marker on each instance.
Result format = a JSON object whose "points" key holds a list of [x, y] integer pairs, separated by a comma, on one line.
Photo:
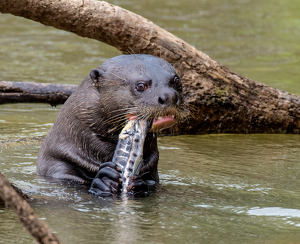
{"points": [[18, 190], [221, 100], [36, 227], [17, 92]]}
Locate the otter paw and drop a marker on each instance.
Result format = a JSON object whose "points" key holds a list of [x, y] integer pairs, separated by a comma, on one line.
{"points": [[137, 186], [107, 181]]}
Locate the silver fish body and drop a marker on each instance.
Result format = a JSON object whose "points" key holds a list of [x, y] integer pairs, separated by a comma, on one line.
{"points": [[129, 151]]}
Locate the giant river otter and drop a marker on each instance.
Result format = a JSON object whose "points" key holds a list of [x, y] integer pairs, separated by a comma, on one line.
{"points": [[82, 141]]}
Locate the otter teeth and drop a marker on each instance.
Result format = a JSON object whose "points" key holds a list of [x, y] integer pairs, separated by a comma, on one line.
{"points": [[159, 118]]}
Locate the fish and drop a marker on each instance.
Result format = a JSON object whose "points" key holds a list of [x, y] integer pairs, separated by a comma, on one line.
{"points": [[128, 154]]}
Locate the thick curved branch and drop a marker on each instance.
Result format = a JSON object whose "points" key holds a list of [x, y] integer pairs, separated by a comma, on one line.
{"points": [[222, 100]]}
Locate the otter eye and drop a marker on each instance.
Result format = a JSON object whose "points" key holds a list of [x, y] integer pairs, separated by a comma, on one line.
{"points": [[141, 87], [176, 83]]}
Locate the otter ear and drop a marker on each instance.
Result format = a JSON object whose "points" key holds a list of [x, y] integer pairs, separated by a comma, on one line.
{"points": [[95, 74]]}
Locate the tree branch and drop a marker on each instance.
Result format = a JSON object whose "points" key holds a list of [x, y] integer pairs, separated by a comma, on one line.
{"points": [[222, 100], [17, 92], [36, 227]]}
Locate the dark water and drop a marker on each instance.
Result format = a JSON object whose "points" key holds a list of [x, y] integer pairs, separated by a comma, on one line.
{"points": [[215, 188]]}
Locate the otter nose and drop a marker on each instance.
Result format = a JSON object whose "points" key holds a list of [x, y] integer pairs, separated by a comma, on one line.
{"points": [[168, 99]]}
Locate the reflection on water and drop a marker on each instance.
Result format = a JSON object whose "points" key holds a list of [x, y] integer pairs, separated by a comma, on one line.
{"points": [[215, 188], [275, 211], [26, 120], [238, 188]]}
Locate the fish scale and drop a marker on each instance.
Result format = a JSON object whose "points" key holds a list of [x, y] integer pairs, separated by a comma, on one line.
{"points": [[129, 151]]}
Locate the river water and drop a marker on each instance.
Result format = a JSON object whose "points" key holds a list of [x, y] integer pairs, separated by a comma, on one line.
{"points": [[215, 188]]}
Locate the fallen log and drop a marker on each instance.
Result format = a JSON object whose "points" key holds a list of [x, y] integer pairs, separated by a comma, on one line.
{"points": [[221, 100], [36, 227], [26, 92]]}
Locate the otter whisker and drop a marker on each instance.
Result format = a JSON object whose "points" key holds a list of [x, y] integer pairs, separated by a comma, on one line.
{"points": [[137, 60], [118, 115], [103, 79], [130, 51], [118, 76], [116, 120], [121, 109]]}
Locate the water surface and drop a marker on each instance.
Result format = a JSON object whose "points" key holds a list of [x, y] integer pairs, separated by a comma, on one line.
{"points": [[214, 188]]}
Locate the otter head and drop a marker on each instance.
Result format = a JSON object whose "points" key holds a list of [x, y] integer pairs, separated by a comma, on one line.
{"points": [[140, 86]]}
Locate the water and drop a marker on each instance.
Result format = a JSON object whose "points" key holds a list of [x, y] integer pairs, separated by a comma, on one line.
{"points": [[215, 188]]}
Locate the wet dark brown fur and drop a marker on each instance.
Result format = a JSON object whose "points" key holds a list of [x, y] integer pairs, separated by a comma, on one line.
{"points": [[85, 133]]}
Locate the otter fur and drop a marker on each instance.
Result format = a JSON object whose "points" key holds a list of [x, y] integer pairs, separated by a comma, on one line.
{"points": [[81, 143]]}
